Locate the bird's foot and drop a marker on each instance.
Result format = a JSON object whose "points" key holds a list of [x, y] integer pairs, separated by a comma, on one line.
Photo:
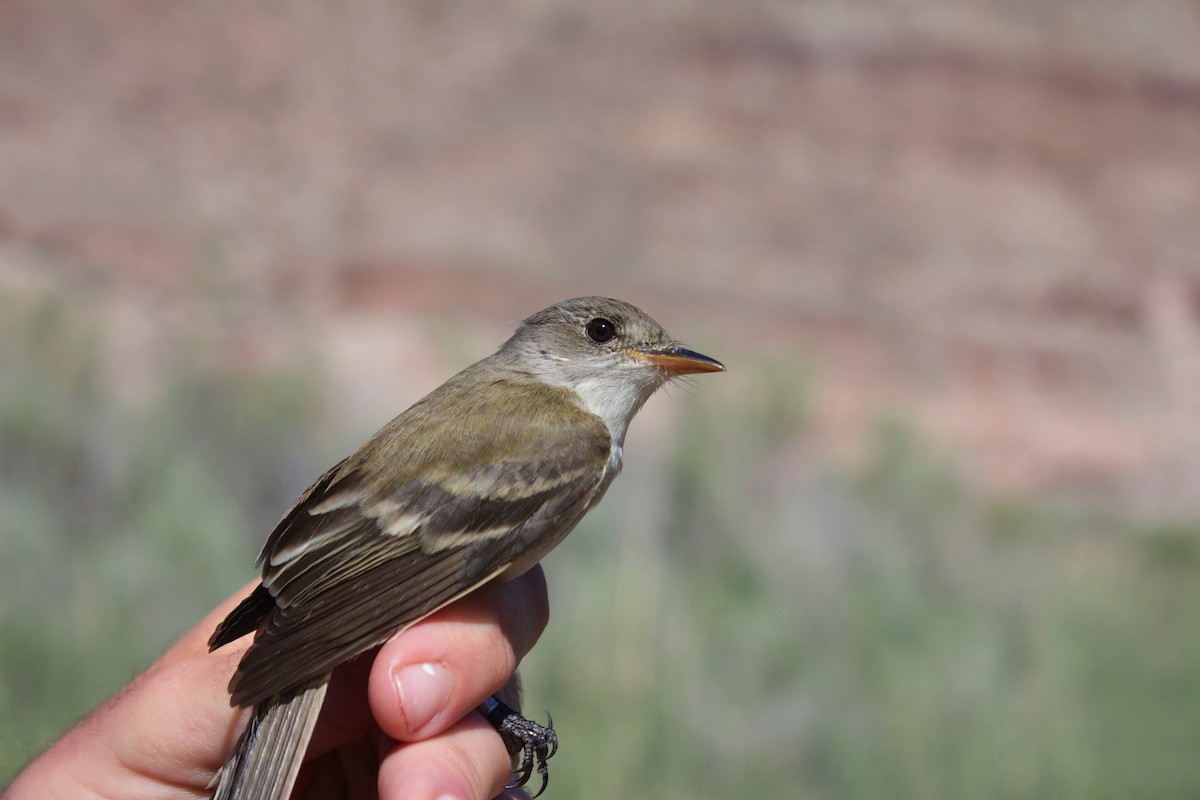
{"points": [[535, 743]]}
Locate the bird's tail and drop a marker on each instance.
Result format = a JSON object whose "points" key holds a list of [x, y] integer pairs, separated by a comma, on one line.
{"points": [[268, 755]]}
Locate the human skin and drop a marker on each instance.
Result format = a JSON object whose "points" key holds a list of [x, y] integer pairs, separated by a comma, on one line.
{"points": [[397, 722]]}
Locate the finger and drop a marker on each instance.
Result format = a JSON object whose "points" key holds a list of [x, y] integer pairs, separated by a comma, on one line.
{"points": [[467, 762], [507, 618], [439, 669]]}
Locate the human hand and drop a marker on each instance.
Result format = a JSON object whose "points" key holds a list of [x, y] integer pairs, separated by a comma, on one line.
{"points": [[397, 723]]}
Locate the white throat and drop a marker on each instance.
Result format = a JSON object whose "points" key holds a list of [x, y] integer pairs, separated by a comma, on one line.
{"points": [[614, 398], [614, 394]]}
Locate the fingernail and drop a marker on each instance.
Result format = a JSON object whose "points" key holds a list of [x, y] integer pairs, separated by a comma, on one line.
{"points": [[424, 690]]}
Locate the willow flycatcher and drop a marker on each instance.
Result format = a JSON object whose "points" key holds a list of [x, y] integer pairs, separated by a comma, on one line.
{"points": [[474, 483]]}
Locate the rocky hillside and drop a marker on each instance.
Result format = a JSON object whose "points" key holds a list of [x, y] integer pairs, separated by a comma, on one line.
{"points": [[979, 215]]}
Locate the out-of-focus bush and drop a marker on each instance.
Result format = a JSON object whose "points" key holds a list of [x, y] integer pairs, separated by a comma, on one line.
{"points": [[739, 618], [120, 526]]}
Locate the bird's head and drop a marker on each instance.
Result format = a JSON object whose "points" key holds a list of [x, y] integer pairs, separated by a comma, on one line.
{"points": [[611, 354]]}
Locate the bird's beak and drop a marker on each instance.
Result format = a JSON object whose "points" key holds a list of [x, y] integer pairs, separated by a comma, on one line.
{"points": [[680, 361]]}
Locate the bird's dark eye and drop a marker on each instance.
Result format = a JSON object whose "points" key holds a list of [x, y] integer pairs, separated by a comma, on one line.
{"points": [[601, 330]]}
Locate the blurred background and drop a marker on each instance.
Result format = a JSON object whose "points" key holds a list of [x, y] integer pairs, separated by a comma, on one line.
{"points": [[934, 535]]}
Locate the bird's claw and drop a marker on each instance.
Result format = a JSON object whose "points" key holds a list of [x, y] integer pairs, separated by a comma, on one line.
{"points": [[535, 743]]}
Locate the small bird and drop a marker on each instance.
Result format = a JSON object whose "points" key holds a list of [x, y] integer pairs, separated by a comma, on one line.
{"points": [[474, 483]]}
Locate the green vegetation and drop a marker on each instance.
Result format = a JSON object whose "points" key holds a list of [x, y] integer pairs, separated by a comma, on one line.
{"points": [[889, 634], [118, 527], [762, 625]]}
